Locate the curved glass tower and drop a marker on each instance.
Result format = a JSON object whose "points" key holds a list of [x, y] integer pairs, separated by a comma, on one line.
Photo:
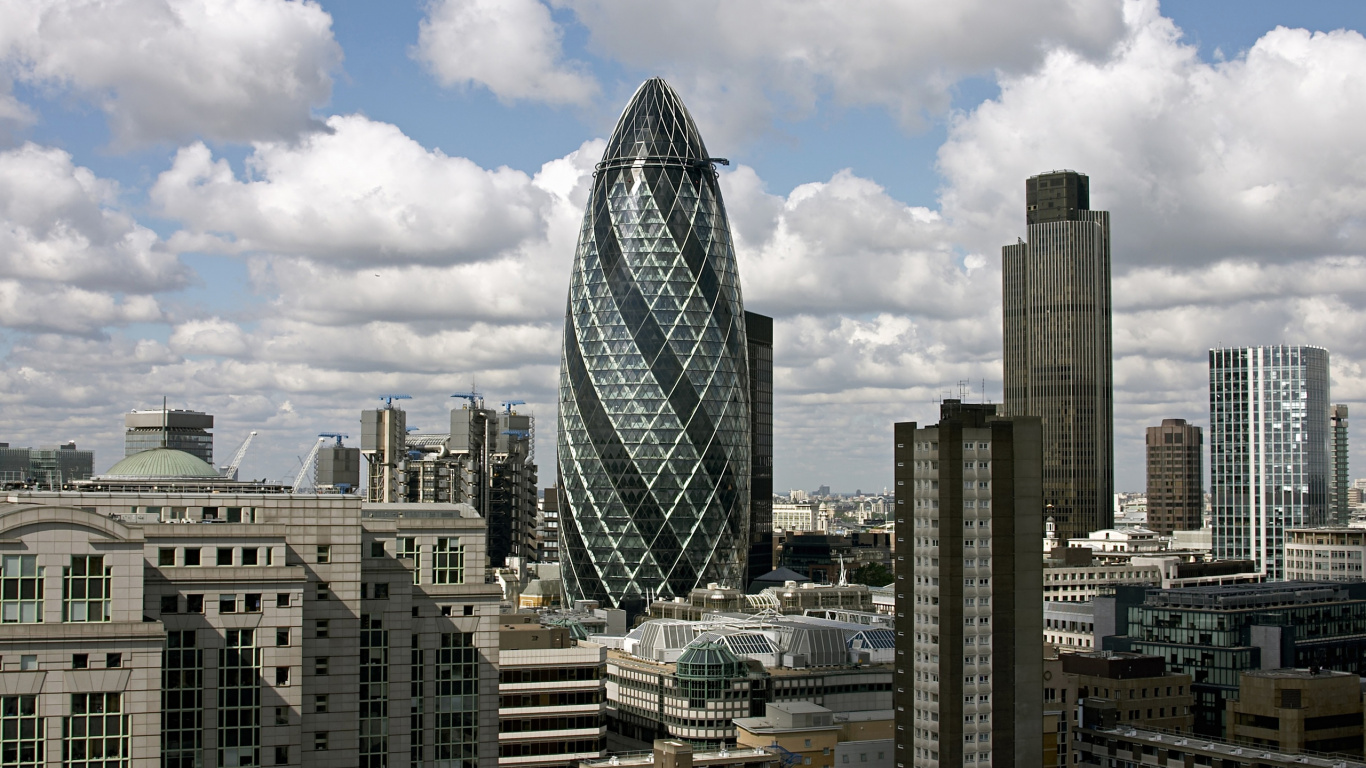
{"points": [[654, 449]]}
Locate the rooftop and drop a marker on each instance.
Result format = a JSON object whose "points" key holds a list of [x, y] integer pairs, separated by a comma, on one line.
{"points": [[160, 463]]}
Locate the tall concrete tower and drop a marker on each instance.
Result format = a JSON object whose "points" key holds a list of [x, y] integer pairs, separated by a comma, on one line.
{"points": [[654, 423], [1058, 360]]}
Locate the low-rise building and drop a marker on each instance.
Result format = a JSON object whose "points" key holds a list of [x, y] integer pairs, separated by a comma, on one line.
{"points": [[552, 700], [820, 737], [1070, 626], [1145, 694], [1102, 742], [792, 597], [1325, 554], [1298, 710], [676, 753]]}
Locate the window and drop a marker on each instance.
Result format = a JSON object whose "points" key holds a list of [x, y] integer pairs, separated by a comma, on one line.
{"points": [[282, 715], [377, 549], [321, 629], [249, 556], [28, 663], [166, 556], [320, 740], [113, 660], [282, 636], [194, 603], [282, 755], [253, 603], [381, 591], [225, 556], [407, 550], [85, 589], [239, 699], [192, 556], [96, 732], [320, 703], [21, 590], [281, 599], [80, 661], [322, 590], [227, 603], [324, 553], [448, 561], [320, 665], [281, 676], [22, 732], [170, 603]]}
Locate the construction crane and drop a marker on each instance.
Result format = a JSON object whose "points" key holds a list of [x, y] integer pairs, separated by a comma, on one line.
{"points": [[334, 435], [476, 399], [308, 463], [389, 399], [230, 470], [507, 407]]}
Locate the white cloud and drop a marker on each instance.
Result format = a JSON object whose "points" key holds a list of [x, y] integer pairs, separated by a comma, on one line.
{"points": [[211, 336], [232, 70], [742, 64], [61, 224], [361, 193], [511, 47], [64, 309]]}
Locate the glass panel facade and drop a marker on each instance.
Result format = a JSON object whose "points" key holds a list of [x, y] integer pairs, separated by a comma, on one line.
{"points": [[448, 562], [21, 590], [374, 693], [654, 443], [1270, 449], [85, 589], [239, 700], [182, 701], [21, 732], [456, 736], [96, 732]]}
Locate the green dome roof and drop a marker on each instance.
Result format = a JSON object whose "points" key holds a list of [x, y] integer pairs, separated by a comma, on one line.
{"points": [[161, 463]]}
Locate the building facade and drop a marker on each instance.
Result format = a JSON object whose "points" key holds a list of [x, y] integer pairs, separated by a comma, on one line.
{"points": [[244, 627], [1340, 512], [1176, 487], [1057, 345], [1270, 449], [654, 422], [759, 335], [1297, 710], [1325, 554], [552, 702], [182, 430], [968, 590], [47, 468], [548, 526]]}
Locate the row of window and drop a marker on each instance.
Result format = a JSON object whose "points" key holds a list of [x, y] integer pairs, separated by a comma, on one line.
{"points": [[86, 587]]}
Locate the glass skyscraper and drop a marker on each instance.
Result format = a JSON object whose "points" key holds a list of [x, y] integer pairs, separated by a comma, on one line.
{"points": [[654, 423], [1269, 449]]}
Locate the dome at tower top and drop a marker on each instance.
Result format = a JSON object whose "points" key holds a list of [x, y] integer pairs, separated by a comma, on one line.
{"points": [[160, 463], [655, 124]]}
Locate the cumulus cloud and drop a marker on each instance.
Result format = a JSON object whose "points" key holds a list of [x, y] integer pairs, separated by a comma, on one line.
{"points": [[360, 193], [511, 47], [232, 70], [1255, 157], [60, 223]]}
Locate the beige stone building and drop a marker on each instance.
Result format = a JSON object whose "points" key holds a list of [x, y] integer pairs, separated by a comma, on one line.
{"points": [[215, 623], [1298, 710]]}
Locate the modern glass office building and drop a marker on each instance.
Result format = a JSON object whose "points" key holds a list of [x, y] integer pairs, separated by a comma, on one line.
{"points": [[1270, 449], [654, 423]]}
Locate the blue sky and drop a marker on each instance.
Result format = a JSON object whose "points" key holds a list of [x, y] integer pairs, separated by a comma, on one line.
{"points": [[274, 211]]}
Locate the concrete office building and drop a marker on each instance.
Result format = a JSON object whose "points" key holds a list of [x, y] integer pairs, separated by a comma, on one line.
{"points": [[548, 527], [1298, 710], [1145, 694], [759, 336], [816, 736], [216, 623], [1339, 511], [182, 430], [1100, 740], [968, 590], [1325, 554], [47, 468], [1216, 633], [1176, 488], [1057, 341], [551, 693], [1270, 449], [654, 422], [676, 753]]}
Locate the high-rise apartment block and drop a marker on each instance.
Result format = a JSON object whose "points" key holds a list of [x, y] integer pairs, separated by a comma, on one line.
{"points": [[186, 431], [1057, 344], [1337, 489], [1176, 489], [759, 334], [654, 422], [969, 663], [1270, 449]]}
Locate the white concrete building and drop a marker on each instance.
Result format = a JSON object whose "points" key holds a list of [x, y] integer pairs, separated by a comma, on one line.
{"points": [[1325, 554]]}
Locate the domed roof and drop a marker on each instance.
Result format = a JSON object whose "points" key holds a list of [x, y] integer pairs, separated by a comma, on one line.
{"points": [[655, 124], [706, 658], [160, 463]]}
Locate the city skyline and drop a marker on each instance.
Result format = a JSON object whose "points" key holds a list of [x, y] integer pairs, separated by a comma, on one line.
{"points": [[179, 225]]}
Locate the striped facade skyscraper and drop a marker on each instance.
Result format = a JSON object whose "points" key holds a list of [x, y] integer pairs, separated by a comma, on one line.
{"points": [[1270, 449], [654, 423], [1057, 339]]}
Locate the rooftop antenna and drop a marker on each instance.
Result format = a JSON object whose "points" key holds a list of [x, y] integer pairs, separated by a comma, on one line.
{"points": [[964, 389]]}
